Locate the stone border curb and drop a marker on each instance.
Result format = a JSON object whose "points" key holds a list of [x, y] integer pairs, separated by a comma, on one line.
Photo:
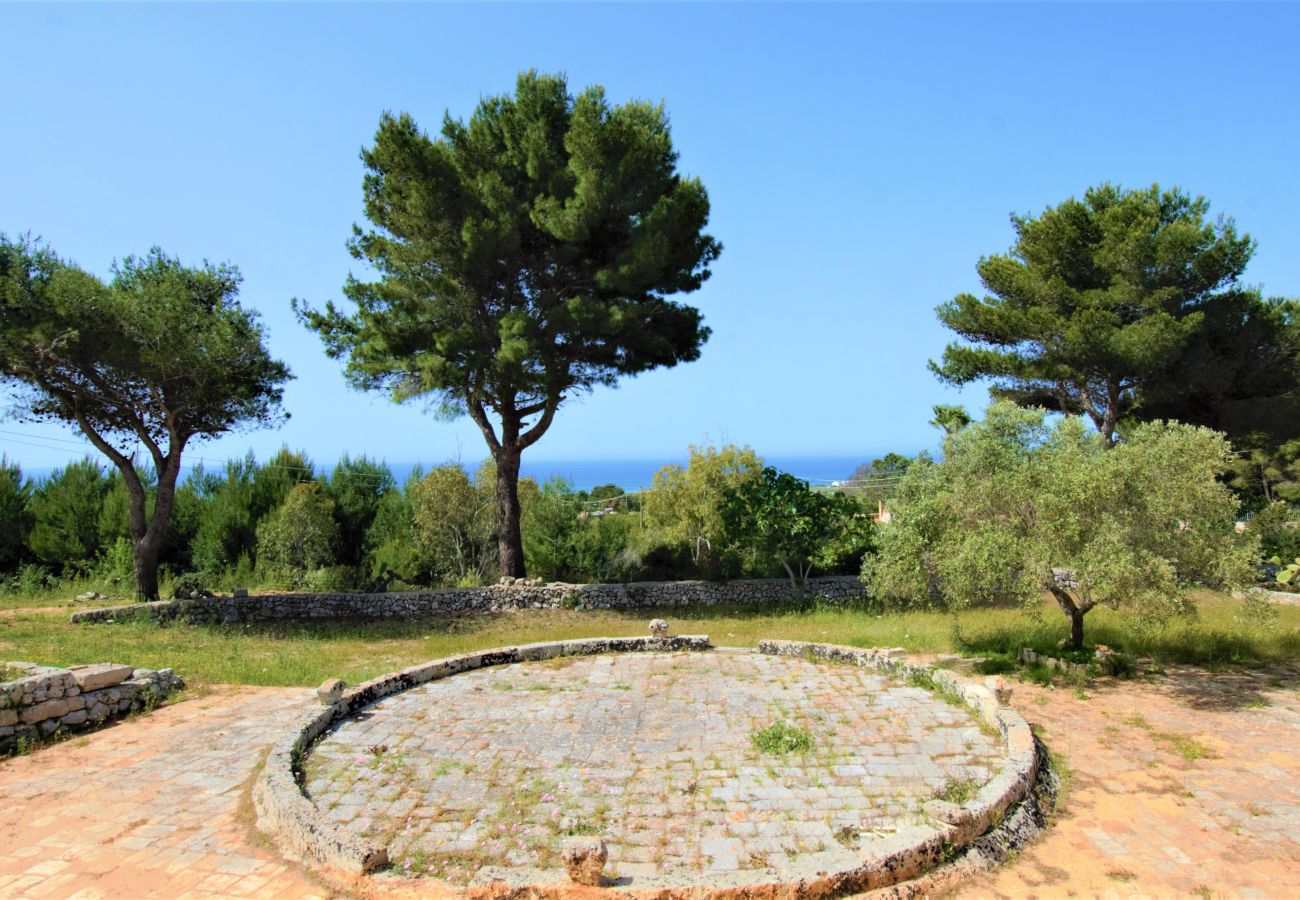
{"points": [[285, 810], [1005, 813], [492, 598]]}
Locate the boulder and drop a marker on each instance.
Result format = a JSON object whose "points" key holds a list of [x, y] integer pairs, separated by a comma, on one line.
{"points": [[658, 628]]}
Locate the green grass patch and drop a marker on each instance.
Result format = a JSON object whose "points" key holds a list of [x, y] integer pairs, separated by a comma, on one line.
{"points": [[780, 738], [958, 791], [1188, 748], [305, 654]]}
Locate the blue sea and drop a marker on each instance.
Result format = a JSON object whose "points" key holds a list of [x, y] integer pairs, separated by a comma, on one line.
{"points": [[634, 474]]}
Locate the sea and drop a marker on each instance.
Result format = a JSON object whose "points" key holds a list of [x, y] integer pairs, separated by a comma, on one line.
{"points": [[635, 474]]}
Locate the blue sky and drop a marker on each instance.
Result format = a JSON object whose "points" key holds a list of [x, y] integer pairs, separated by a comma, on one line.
{"points": [[859, 158]]}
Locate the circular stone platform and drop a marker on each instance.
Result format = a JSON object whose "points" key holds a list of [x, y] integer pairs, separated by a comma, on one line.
{"points": [[481, 776]]}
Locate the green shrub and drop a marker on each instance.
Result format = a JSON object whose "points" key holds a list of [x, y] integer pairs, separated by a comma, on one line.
{"points": [[299, 536]]}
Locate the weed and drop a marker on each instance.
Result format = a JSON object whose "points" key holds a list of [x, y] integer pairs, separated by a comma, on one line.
{"points": [[1188, 748], [848, 836], [1120, 875], [780, 739], [958, 791]]}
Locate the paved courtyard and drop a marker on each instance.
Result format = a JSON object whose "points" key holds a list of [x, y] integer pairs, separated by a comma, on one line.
{"points": [[482, 775], [157, 806]]}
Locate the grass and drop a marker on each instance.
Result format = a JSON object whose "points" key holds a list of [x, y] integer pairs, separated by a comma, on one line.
{"points": [[958, 791], [1187, 747], [305, 654], [780, 739]]}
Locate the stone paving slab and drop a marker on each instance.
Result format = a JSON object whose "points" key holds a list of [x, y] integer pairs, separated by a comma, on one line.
{"points": [[481, 776]]}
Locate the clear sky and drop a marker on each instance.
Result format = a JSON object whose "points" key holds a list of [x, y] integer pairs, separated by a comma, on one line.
{"points": [[859, 158]]}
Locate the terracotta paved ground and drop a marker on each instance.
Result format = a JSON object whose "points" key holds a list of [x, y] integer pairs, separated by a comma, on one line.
{"points": [[155, 806]]}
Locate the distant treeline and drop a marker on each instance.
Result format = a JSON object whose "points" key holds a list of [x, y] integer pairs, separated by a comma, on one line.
{"points": [[286, 524]]}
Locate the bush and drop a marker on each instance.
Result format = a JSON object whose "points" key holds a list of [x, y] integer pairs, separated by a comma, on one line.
{"points": [[299, 536], [15, 515], [1278, 529], [65, 512]]}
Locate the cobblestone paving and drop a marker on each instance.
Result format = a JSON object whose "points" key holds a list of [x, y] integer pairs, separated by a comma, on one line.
{"points": [[486, 772]]}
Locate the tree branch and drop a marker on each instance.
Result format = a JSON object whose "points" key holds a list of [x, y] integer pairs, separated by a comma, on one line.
{"points": [[531, 436]]}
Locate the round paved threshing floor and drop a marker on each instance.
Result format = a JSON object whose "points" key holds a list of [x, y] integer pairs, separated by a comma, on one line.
{"points": [[483, 774]]}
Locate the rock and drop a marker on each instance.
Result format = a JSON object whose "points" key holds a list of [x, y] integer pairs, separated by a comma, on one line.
{"points": [[76, 717], [99, 675], [240, 592], [948, 813], [330, 690], [8, 717], [50, 709], [998, 685], [658, 628], [584, 858]]}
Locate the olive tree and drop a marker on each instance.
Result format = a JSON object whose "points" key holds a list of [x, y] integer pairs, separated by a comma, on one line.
{"points": [[1019, 508], [526, 255], [160, 355], [300, 534], [452, 519]]}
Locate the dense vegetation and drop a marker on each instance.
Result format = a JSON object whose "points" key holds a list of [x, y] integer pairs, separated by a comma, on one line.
{"points": [[283, 524]]}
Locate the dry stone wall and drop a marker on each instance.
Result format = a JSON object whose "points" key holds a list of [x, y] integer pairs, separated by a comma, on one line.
{"points": [[494, 598], [43, 699]]}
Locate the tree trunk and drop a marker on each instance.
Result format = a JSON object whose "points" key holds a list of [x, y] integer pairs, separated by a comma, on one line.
{"points": [[145, 570], [1075, 610], [510, 542], [147, 539], [1076, 630], [795, 582]]}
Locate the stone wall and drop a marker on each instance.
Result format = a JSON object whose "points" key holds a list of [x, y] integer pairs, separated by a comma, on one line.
{"points": [[497, 597], [44, 699]]}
